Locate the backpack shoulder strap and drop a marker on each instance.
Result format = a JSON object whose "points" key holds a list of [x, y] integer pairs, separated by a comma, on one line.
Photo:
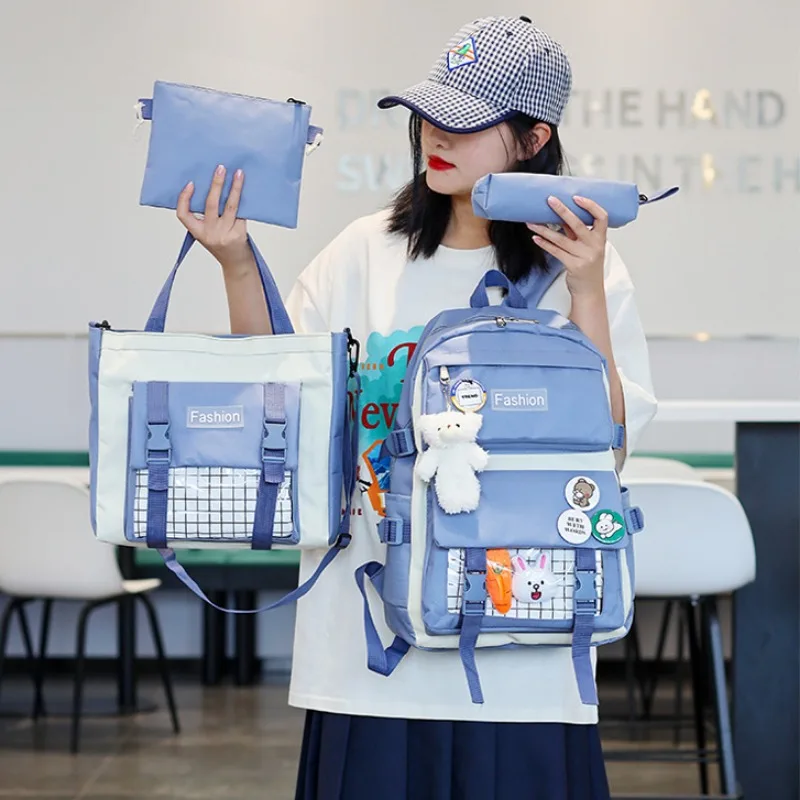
{"points": [[538, 282]]}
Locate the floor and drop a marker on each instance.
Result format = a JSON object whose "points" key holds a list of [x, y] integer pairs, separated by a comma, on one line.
{"points": [[236, 743]]}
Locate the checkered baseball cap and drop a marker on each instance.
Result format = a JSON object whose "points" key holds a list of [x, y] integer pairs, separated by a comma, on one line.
{"points": [[490, 70]]}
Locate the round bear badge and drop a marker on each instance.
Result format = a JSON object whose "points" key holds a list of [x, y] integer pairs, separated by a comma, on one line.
{"points": [[582, 493]]}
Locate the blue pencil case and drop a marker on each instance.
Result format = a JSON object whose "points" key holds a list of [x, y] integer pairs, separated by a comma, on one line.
{"points": [[194, 129], [522, 197]]}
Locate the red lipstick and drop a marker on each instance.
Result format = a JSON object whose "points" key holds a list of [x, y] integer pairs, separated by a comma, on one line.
{"points": [[439, 164]]}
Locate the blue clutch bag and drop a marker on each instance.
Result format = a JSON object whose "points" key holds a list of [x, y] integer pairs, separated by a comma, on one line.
{"points": [[194, 129], [522, 197]]}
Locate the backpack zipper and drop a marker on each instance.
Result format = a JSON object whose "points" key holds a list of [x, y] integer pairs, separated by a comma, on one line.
{"points": [[444, 382], [503, 321]]}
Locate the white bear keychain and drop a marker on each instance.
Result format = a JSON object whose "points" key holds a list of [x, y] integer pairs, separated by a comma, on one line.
{"points": [[453, 457]]}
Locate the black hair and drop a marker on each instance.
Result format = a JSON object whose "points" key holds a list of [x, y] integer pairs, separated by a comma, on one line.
{"points": [[422, 215]]}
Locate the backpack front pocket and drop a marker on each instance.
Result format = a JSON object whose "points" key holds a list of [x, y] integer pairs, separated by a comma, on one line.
{"points": [[528, 529], [560, 402], [211, 449]]}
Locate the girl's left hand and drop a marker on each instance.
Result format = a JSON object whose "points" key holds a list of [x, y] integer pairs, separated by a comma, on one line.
{"points": [[581, 249]]}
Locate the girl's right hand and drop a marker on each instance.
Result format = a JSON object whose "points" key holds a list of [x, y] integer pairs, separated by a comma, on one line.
{"points": [[225, 236]]}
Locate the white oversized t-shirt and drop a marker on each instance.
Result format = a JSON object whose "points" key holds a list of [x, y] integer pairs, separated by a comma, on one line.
{"points": [[363, 280]]}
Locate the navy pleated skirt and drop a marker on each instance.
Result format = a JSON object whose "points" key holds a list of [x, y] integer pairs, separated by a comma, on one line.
{"points": [[364, 758]]}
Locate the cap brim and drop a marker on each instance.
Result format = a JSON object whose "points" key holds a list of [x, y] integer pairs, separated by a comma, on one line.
{"points": [[448, 108]]}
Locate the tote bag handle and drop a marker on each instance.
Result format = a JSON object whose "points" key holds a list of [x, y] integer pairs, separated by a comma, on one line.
{"points": [[277, 311]]}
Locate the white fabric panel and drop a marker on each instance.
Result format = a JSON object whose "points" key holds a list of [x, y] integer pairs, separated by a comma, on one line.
{"points": [[129, 357]]}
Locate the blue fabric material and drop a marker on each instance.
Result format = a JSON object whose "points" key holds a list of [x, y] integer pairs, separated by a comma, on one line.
{"points": [[400, 443], [273, 457], [472, 610], [146, 113], [344, 441], [495, 278], [398, 522], [585, 598], [634, 517], [339, 449], [634, 520], [194, 129], [619, 437], [95, 343], [523, 196], [277, 310], [534, 286], [397, 617], [476, 350], [349, 459], [394, 531], [171, 561], [565, 408], [209, 446], [452, 322], [380, 660], [158, 458], [507, 518], [443, 760]]}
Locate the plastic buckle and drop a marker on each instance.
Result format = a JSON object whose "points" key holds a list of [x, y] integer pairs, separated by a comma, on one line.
{"points": [[353, 352], [402, 442], [342, 541], [585, 593], [634, 519], [474, 602], [158, 442], [274, 441], [391, 530]]}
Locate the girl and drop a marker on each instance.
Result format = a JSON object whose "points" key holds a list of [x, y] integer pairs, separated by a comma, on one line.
{"points": [[492, 103]]}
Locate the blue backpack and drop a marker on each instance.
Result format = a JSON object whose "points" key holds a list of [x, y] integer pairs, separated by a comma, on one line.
{"points": [[504, 520]]}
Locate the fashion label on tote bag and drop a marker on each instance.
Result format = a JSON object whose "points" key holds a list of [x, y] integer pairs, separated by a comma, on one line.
{"points": [[205, 441], [194, 129]]}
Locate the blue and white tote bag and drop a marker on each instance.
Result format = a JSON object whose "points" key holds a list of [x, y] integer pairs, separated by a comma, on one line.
{"points": [[221, 441]]}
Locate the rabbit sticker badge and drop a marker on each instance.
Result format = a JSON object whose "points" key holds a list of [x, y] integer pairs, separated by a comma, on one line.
{"points": [[534, 584], [608, 527]]}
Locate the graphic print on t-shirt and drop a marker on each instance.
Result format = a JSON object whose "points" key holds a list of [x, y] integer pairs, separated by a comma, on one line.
{"points": [[382, 369]]}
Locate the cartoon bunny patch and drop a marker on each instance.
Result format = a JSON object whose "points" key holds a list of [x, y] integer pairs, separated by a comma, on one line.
{"points": [[608, 527], [534, 584]]}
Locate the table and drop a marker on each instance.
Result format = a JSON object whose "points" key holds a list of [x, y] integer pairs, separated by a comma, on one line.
{"points": [[766, 614]]}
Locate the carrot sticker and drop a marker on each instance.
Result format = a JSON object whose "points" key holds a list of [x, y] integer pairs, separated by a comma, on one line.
{"points": [[498, 579]]}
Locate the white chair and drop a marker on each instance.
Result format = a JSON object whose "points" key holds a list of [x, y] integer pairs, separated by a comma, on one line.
{"points": [[666, 468], [656, 467], [696, 546], [48, 551]]}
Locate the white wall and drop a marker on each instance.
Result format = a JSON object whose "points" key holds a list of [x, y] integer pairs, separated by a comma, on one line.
{"points": [[76, 246]]}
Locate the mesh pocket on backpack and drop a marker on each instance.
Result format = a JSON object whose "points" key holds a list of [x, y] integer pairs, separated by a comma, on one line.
{"points": [[501, 601]]}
